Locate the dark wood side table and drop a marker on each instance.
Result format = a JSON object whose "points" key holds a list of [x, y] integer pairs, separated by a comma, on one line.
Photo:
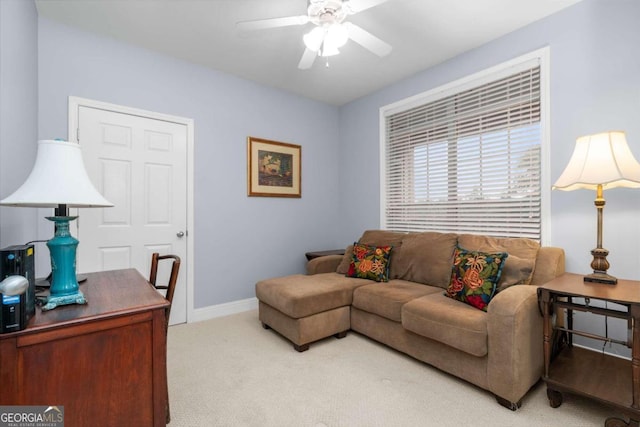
{"points": [[105, 361], [316, 254], [610, 380]]}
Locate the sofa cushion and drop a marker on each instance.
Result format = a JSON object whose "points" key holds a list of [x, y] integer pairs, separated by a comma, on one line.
{"points": [[387, 299], [474, 276], [518, 269], [370, 262], [425, 258], [374, 238], [445, 320], [300, 295]]}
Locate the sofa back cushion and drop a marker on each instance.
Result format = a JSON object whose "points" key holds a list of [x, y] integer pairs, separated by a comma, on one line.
{"points": [[425, 258], [382, 238], [518, 269]]}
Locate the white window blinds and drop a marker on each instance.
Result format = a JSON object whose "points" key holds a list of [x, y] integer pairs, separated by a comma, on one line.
{"points": [[467, 162]]}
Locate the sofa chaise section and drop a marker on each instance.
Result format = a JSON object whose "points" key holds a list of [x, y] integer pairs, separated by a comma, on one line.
{"points": [[307, 308]]}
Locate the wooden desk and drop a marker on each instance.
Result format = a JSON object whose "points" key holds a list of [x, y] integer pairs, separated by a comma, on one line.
{"points": [[605, 378], [105, 362]]}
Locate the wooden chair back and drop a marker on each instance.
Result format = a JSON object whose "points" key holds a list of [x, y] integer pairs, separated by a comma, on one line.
{"points": [[170, 287]]}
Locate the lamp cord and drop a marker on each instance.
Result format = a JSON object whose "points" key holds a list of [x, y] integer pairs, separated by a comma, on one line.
{"points": [[36, 241], [606, 330]]}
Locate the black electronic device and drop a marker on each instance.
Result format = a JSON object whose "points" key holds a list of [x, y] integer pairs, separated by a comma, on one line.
{"points": [[13, 316], [16, 310]]}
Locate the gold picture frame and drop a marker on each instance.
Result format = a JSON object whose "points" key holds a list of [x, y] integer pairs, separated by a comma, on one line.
{"points": [[273, 168]]}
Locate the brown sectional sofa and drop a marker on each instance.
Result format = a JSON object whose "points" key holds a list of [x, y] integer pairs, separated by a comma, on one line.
{"points": [[499, 350]]}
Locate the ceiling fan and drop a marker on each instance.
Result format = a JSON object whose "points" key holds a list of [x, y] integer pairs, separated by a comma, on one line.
{"points": [[330, 32]]}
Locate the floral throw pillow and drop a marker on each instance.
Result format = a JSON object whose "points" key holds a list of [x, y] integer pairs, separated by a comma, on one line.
{"points": [[474, 276], [370, 262]]}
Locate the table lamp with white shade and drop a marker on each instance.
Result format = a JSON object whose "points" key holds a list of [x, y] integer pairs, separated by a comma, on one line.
{"points": [[601, 161], [59, 180]]}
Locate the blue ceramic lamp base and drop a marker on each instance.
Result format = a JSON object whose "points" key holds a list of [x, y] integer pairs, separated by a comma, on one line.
{"points": [[53, 302], [64, 285]]}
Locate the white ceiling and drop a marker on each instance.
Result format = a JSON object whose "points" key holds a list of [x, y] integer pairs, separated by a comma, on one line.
{"points": [[422, 32]]}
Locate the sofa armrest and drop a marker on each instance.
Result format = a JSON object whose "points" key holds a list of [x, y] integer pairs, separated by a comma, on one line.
{"points": [[324, 264], [514, 329]]}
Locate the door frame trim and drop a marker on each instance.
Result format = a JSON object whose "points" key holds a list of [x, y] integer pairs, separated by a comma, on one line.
{"points": [[73, 108]]}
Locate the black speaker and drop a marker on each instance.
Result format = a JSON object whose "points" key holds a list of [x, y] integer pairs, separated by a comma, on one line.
{"points": [[19, 260]]}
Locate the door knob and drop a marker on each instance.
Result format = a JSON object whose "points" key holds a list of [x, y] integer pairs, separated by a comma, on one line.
{"points": [[180, 234]]}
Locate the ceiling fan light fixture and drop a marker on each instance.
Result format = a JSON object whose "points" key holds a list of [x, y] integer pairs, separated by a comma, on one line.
{"points": [[329, 50], [331, 29], [314, 38], [337, 35]]}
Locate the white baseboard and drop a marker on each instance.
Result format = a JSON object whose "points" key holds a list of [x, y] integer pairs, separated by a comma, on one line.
{"points": [[219, 310]]}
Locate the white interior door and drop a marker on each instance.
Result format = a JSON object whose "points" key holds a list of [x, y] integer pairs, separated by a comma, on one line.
{"points": [[140, 165]]}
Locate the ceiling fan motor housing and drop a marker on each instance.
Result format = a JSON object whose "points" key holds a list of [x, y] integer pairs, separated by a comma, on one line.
{"points": [[326, 12]]}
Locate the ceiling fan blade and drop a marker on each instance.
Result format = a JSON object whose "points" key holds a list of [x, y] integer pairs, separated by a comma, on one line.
{"points": [[355, 6], [368, 40], [308, 57], [262, 24]]}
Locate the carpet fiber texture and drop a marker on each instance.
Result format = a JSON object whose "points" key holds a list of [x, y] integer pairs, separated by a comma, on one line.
{"points": [[230, 371]]}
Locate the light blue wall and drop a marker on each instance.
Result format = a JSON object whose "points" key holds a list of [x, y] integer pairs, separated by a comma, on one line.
{"points": [[595, 86], [238, 239], [18, 113]]}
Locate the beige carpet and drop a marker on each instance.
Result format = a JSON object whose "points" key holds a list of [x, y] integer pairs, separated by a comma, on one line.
{"points": [[231, 372]]}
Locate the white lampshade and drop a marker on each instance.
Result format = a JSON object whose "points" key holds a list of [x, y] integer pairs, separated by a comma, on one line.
{"points": [[58, 177], [605, 159]]}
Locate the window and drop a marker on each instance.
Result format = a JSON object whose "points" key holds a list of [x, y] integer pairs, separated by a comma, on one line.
{"points": [[467, 158]]}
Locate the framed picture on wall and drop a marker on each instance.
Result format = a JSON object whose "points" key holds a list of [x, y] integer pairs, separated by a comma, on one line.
{"points": [[273, 168]]}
